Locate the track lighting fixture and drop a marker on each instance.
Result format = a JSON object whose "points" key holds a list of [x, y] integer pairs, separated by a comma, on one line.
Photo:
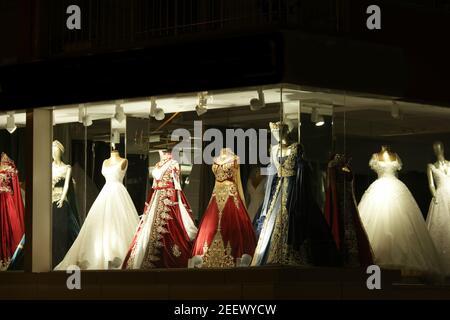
{"points": [[258, 103], [83, 117], [201, 108], [87, 121], [316, 118], [155, 111], [11, 122]]}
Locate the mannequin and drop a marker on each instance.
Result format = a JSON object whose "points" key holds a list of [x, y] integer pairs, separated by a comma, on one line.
{"points": [[66, 225], [166, 230], [57, 166], [282, 148], [115, 158], [438, 218], [225, 156], [440, 164], [385, 154]]}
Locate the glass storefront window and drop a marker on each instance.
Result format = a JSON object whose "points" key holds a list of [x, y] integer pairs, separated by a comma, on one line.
{"points": [[397, 157], [248, 177], [193, 173]]}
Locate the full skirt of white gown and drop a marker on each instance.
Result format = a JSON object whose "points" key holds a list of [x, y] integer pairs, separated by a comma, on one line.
{"points": [[396, 228], [106, 233]]}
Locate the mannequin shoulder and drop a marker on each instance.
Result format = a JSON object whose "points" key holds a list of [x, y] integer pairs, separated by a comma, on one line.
{"points": [[124, 164]]}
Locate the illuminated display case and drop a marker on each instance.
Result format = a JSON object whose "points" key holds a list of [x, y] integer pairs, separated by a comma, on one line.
{"points": [[265, 179]]}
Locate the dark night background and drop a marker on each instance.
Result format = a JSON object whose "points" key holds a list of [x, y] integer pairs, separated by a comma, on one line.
{"points": [[142, 48]]}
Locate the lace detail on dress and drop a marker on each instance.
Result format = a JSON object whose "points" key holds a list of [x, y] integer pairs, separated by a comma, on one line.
{"points": [[7, 171], [385, 168]]}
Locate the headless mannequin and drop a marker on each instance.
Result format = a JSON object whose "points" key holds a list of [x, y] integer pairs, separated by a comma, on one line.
{"points": [[226, 155], [386, 155], [116, 159], [58, 163], [162, 154], [440, 164]]}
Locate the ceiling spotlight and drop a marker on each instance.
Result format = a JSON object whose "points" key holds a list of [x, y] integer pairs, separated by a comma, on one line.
{"points": [[159, 114], [120, 113], [320, 121], [258, 103], [202, 102], [87, 121], [11, 122], [155, 111], [83, 117], [395, 110], [316, 118]]}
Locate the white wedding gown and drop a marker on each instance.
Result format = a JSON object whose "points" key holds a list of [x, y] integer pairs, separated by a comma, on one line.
{"points": [[394, 223], [108, 229], [438, 219]]}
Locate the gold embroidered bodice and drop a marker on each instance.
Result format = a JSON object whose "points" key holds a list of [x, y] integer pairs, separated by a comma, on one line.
{"points": [[7, 171], [166, 175], [225, 186], [288, 163]]}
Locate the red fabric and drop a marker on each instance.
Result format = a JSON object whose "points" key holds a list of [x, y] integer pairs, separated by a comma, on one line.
{"points": [[236, 228], [176, 234], [11, 220]]}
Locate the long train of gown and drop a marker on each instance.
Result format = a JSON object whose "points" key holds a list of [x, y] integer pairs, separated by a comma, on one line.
{"points": [[395, 226], [108, 229], [438, 219]]}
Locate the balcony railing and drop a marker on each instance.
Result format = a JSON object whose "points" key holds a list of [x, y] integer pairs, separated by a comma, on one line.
{"points": [[114, 24]]}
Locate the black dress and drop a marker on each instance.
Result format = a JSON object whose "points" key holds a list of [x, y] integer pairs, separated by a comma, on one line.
{"points": [[342, 215], [66, 225]]}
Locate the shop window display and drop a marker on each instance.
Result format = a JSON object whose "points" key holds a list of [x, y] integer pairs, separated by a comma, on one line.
{"points": [[396, 155], [250, 177], [12, 190]]}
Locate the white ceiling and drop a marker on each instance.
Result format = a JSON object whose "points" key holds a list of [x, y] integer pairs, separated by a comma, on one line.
{"points": [[325, 102]]}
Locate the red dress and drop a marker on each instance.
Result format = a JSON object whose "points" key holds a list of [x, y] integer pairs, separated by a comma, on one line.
{"points": [[341, 213], [11, 211], [165, 233], [225, 224]]}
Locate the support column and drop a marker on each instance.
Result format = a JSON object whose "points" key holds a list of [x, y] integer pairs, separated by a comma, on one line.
{"points": [[38, 217]]}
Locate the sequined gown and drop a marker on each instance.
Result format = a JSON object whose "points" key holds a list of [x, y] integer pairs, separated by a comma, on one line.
{"points": [[226, 219], [294, 231], [11, 211], [166, 230], [65, 219], [342, 215]]}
